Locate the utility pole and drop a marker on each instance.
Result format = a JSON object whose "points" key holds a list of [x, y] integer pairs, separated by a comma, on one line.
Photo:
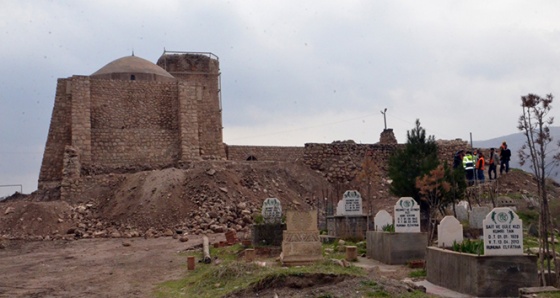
{"points": [[384, 117]]}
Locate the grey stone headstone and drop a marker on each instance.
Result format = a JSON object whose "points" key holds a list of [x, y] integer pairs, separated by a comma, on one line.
{"points": [[477, 215], [462, 213], [272, 210]]}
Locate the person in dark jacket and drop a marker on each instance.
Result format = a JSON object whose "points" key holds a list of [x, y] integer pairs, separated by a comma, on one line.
{"points": [[505, 155]]}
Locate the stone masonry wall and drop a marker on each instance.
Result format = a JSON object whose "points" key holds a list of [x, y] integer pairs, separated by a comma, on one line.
{"points": [[134, 123], [59, 136], [264, 153]]}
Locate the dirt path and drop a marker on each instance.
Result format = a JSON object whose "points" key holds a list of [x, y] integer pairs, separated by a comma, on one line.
{"points": [[91, 267]]}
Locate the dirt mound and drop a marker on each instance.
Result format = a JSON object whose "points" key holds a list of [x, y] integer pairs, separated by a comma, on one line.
{"points": [[202, 197], [22, 219]]}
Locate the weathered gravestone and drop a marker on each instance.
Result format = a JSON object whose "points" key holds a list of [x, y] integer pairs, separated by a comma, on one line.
{"points": [[351, 203], [301, 244], [450, 230], [503, 233], [407, 216], [462, 211], [272, 210], [382, 219], [270, 231], [477, 215]]}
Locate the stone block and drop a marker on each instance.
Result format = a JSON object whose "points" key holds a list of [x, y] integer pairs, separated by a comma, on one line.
{"points": [[396, 248], [481, 276]]}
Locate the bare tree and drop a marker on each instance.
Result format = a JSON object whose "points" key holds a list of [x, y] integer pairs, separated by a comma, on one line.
{"points": [[534, 123], [433, 188], [369, 176]]}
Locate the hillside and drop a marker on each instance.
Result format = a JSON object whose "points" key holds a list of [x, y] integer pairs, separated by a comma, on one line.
{"points": [[515, 142]]}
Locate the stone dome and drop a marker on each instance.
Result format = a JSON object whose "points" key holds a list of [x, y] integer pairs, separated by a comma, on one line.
{"points": [[132, 68]]}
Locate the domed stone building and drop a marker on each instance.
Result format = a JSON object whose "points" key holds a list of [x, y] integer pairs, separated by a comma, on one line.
{"points": [[134, 113]]}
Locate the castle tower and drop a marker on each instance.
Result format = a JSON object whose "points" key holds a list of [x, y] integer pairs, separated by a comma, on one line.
{"points": [[199, 74], [132, 114]]}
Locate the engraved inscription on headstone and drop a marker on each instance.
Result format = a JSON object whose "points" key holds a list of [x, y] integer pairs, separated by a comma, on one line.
{"points": [[351, 203], [272, 210], [503, 233], [407, 216], [382, 219]]}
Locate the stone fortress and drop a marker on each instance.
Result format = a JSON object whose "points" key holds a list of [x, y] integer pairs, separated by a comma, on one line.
{"points": [[134, 115]]}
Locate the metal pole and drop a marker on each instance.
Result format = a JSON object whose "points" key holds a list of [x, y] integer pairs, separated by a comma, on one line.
{"points": [[13, 185]]}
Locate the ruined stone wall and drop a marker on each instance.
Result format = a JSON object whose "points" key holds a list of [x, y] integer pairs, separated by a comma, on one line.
{"points": [[340, 161], [264, 153], [59, 136], [134, 123]]}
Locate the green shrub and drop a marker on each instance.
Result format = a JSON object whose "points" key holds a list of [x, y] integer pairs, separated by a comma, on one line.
{"points": [[389, 228], [469, 246]]}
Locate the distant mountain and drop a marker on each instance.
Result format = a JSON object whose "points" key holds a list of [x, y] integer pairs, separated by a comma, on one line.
{"points": [[515, 142]]}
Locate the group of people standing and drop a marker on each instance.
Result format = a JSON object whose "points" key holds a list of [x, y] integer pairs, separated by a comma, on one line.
{"points": [[474, 164]]}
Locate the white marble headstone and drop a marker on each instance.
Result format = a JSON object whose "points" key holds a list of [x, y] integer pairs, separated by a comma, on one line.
{"points": [[503, 233], [407, 216], [351, 203], [450, 230], [381, 219]]}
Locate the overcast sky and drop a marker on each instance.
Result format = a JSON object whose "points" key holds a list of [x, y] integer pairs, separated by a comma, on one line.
{"points": [[293, 72]]}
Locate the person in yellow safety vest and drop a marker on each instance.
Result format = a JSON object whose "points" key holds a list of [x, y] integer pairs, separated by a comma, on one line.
{"points": [[480, 167], [468, 164]]}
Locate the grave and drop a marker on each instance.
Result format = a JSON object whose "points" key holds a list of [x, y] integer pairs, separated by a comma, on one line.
{"points": [[272, 211], [450, 231], [477, 215], [349, 222], [382, 218], [500, 272], [503, 233], [407, 216], [462, 211], [269, 233], [406, 244], [301, 243]]}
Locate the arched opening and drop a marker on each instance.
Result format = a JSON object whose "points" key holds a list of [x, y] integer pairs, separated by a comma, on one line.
{"points": [[132, 77], [251, 157]]}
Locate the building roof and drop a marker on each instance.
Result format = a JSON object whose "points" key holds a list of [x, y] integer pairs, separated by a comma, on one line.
{"points": [[132, 65]]}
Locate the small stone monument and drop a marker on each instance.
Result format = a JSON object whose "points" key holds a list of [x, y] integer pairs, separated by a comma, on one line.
{"points": [[462, 211], [503, 233], [272, 210], [351, 203], [301, 244], [477, 215], [382, 219], [450, 230], [407, 216]]}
